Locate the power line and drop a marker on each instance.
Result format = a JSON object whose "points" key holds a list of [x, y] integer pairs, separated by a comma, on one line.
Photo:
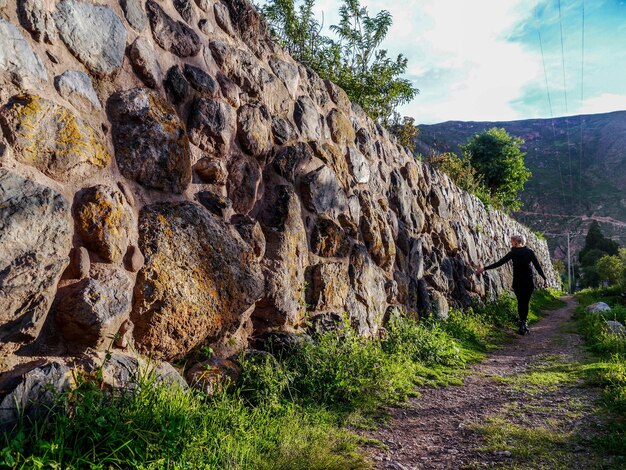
{"points": [[582, 96], [556, 149], [569, 154]]}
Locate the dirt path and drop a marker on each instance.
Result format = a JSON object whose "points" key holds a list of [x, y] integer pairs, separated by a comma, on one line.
{"points": [[517, 403]]}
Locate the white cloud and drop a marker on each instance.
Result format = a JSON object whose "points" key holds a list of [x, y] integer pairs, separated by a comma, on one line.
{"points": [[603, 103], [468, 40], [459, 56]]}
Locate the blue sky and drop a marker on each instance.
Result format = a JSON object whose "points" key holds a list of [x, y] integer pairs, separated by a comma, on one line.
{"points": [[480, 59]]}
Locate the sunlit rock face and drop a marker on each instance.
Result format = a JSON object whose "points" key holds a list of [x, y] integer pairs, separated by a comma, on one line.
{"points": [[172, 179]]}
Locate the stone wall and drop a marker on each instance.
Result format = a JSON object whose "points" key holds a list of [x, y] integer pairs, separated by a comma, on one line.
{"points": [[170, 175]]}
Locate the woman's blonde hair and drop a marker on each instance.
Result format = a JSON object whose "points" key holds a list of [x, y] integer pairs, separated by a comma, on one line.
{"points": [[520, 239]]}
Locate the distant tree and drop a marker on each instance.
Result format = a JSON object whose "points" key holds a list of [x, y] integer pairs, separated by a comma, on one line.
{"points": [[610, 269], [354, 60], [591, 257], [499, 161], [405, 131], [596, 241]]}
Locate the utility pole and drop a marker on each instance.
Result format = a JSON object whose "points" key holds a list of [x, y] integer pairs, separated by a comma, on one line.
{"points": [[569, 268]]}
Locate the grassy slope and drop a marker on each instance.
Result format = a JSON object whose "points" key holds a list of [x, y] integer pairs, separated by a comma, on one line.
{"points": [[609, 370], [288, 412]]}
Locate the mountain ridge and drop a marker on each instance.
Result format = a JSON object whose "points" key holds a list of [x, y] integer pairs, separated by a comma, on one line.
{"points": [[579, 170]]}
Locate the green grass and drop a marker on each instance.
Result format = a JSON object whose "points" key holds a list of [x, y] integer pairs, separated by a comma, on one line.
{"points": [[537, 447], [547, 375], [609, 371], [286, 412]]}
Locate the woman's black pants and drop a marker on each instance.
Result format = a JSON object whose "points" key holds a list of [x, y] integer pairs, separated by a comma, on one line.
{"points": [[523, 293]]}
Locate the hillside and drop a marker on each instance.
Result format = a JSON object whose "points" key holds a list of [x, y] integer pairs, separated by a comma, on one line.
{"points": [[568, 189]]}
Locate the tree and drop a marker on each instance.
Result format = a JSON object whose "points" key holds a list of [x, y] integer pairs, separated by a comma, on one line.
{"points": [[499, 161], [595, 241], [353, 60], [297, 29], [405, 131], [610, 269]]}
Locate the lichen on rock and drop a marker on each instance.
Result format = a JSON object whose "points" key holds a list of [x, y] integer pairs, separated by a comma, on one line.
{"points": [[199, 278], [52, 138]]}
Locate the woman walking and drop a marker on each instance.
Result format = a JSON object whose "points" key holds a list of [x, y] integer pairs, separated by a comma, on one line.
{"points": [[523, 285]]}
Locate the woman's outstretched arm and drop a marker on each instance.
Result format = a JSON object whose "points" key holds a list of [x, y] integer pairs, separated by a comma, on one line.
{"points": [[499, 263]]}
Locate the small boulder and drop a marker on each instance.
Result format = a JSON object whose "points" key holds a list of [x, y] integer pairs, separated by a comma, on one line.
{"points": [[103, 221], [76, 86], [254, 129], [359, 167], [171, 35], [251, 232], [307, 118], [616, 327], [340, 127], [328, 239], [324, 323], [144, 61], [215, 203], [280, 343], [211, 125], [230, 90], [34, 394], [206, 27], [322, 193], [134, 259], [36, 18], [134, 13], [124, 371], [283, 130], [211, 171], [329, 286], [598, 307], [17, 59], [91, 311], [222, 18], [201, 81], [93, 33], [290, 161], [80, 263], [184, 9], [176, 85], [35, 242], [288, 74], [244, 179]]}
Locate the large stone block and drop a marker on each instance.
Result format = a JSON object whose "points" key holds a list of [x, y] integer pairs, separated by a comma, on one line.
{"points": [[17, 59], [93, 33], [35, 242], [286, 257], [52, 138], [198, 279], [150, 140]]}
